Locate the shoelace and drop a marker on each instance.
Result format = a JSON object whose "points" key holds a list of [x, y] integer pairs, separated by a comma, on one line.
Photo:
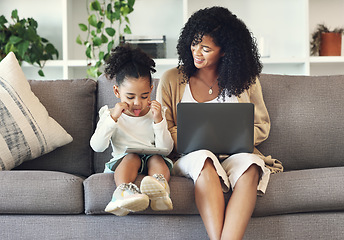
{"points": [[129, 186], [159, 177]]}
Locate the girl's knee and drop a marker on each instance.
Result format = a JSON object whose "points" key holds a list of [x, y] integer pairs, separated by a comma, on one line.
{"points": [[131, 159], [155, 160]]}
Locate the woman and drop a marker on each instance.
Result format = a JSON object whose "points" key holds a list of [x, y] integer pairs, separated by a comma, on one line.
{"points": [[219, 62]]}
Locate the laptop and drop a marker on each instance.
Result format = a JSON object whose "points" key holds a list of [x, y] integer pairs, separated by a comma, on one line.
{"points": [[222, 128], [149, 150]]}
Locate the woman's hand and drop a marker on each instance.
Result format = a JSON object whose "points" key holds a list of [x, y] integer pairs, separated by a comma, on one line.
{"points": [[117, 111], [155, 107]]}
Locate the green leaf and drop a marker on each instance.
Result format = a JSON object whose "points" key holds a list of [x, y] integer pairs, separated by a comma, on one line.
{"points": [[100, 26], [131, 3], [3, 20], [50, 49], [110, 31], [40, 73], [110, 45], [109, 7], [124, 10], [95, 6], [10, 48], [32, 35], [127, 29], [99, 63], [78, 40], [93, 72], [116, 15], [97, 41], [14, 39], [92, 20], [82, 27], [22, 48], [14, 14], [3, 37], [33, 23], [107, 55], [101, 55], [89, 51], [104, 39], [118, 5]]}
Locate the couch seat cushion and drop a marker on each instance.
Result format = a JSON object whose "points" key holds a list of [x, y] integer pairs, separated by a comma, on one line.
{"points": [[313, 190], [40, 192], [99, 189]]}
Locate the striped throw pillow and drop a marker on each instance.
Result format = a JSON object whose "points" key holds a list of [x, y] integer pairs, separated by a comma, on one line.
{"points": [[26, 129]]}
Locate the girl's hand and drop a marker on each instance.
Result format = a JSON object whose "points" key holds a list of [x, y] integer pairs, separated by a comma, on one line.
{"points": [[155, 107], [117, 111]]}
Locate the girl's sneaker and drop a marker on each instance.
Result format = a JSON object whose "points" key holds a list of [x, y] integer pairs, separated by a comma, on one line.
{"points": [[158, 191], [127, 198]]}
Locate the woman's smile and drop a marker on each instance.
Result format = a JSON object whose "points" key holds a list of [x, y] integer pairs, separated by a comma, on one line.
{"points": [[198, 60], [206, 53]]}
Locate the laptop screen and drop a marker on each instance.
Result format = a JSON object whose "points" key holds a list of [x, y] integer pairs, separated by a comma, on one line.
{"points": [[222, 128]]}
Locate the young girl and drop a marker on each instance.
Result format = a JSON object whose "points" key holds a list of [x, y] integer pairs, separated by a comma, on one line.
{"points": [[134, 122], [219, 62]]}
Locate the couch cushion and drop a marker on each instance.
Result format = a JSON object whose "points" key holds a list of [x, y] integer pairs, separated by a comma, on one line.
{"points": [[106, 96], [72, 104], [26, 131], [40, 192], [100, 187], [311, 190], [307, 129]]}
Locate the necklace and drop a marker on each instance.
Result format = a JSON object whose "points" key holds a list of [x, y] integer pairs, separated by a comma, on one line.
{"points": [[211, 87]]}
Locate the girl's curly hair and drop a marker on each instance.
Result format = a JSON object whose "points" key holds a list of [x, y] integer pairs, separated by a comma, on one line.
{"points": [[125, 61], [240, 65]]}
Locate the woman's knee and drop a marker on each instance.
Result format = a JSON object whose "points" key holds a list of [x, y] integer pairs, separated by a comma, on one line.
{"points": [[252, 173], [208, 170]]}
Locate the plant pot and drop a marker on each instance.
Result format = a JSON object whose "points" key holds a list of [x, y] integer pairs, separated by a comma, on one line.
{"points": [[331, 44]]}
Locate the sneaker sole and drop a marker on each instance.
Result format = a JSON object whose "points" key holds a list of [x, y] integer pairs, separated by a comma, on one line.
{"points": [[130, 204], [111, 208], [158, 195]]}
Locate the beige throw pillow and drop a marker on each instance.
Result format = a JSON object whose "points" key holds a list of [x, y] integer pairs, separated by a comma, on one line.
{"points": [[26, 129]]}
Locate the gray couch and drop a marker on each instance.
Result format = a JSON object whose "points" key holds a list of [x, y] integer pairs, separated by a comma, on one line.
{"points": [[61, 195]]}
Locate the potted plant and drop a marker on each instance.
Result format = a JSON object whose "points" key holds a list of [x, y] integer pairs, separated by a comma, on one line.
{"points": [[101, 35], [21, 38], [325, 42]]}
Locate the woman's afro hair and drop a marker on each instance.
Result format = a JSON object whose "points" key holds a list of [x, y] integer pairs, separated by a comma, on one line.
{"points": [[126, 61], [240, 65]]}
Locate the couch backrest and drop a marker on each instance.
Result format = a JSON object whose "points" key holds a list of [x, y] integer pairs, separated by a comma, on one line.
{"points": [[72, 104], [307, 129], [106, 96], [307, 120]]}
